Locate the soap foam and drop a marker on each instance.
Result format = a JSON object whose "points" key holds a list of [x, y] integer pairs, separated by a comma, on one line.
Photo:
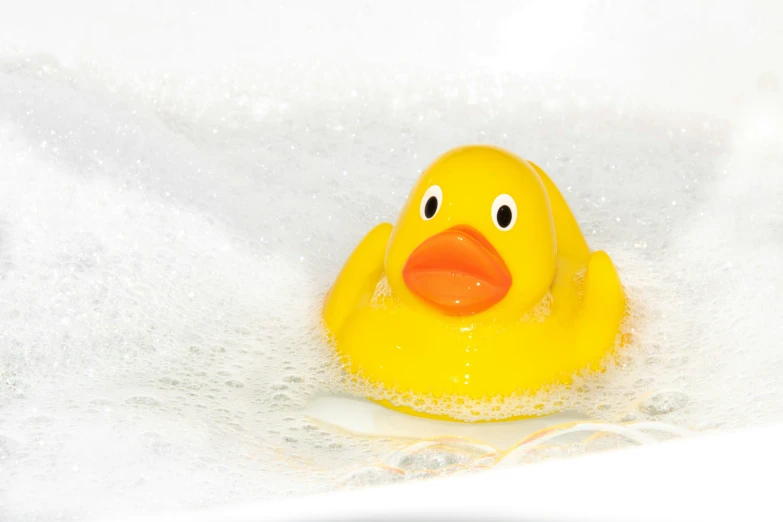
{"points": [[166, 240]]}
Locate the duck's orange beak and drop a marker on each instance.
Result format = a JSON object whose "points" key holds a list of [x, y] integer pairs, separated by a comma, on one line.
{"points": [[457, 271]]}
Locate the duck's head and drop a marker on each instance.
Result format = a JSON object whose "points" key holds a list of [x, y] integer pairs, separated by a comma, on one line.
{"points": [[475, 235]]}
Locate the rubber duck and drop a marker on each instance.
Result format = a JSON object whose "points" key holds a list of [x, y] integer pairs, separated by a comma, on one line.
{"points": [[484, 287]]}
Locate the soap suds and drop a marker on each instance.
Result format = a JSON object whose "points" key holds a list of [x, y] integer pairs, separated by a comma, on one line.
{"points": [[167, 234]]}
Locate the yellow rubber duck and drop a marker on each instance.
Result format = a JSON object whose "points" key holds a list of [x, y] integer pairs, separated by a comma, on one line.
{"points": [[484, 287]]}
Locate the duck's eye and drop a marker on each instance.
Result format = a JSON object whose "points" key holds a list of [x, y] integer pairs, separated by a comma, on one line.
{"points": [[504, 212], [430, 203]]}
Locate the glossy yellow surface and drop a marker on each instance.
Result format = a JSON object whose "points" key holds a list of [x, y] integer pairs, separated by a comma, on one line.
{"points": [[561, 314]]}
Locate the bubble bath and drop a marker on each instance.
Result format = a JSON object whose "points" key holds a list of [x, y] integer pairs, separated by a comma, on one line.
{"points": [[168, 231]]}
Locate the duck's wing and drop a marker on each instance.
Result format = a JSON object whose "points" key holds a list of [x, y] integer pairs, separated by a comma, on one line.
{"points": [[570, 241], [603, 307], [358, 278]]}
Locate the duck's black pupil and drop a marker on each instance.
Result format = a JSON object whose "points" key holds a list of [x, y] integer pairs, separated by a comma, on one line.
{"points": [[431, 207], [504, 216]]}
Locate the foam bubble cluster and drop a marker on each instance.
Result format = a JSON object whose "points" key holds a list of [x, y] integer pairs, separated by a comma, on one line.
{"points": [[166, 243]]}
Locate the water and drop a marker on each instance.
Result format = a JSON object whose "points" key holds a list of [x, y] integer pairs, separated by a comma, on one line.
{"points": [[170, 217]]}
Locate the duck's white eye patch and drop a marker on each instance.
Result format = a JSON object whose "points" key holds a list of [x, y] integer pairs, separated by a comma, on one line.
{"points": [[430, 202], [504, 212]]}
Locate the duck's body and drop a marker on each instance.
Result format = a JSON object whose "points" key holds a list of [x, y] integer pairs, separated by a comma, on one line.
{"points": [[476, 299]]}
